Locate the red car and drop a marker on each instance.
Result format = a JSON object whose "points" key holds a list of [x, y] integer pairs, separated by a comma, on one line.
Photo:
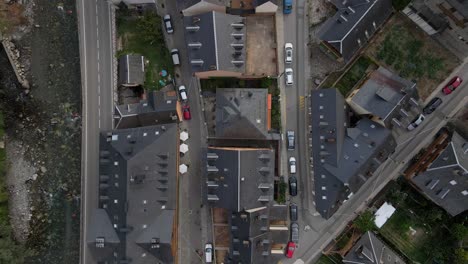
{"points": [[290, 249], [452, 85], [186, 111]]}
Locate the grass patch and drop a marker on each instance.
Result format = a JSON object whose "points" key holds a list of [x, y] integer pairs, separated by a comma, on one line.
{"points": [[144, 35], [281, 191], [353, 75], [330, 259], [274, 90]]}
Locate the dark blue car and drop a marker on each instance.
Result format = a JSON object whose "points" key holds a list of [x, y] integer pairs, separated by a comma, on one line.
{"points": [[287, 6]]}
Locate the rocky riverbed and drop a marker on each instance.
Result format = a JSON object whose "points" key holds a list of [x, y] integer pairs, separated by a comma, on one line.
{"points": [[43, 127]]}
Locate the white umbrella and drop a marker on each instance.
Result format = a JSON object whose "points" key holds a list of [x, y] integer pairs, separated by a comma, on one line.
{"points": [[183, 136], [183, 168], [183, 148]]}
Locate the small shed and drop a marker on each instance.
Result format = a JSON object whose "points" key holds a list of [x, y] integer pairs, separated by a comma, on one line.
{"points": [[383, 214], [131, 70]]}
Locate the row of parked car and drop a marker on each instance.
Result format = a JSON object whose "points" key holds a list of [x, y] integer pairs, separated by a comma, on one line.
{"points": [[293, 208], [451, 86]]}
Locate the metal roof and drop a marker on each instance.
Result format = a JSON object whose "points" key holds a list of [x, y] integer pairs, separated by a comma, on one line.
{"points": [[446, 180], [354, 24], [215, 41], [344, 157], [132, 69], [369, 249], [137, 183], [241, 113], [383, 93]]}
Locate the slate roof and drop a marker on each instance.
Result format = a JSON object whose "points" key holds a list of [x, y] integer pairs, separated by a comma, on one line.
{"points": [[344, 157], [383, 93], [159, 108], [137, 187], [446, 180], [461, 6], [215, 41], [369, 249], [241, 113], [240, 178], [132, 69], [351, 22]]}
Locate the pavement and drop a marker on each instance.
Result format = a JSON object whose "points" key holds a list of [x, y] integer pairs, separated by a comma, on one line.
{"points": [[98, 82], [194, 217]]}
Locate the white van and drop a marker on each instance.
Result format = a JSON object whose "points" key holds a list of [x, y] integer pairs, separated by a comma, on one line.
{"points": [[289, 76], [175, 56], [183, 93], [208, 253]]}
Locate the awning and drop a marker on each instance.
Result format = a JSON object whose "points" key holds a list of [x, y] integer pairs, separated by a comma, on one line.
{"points": [[183, 168], [183, 148], [183, 136]]}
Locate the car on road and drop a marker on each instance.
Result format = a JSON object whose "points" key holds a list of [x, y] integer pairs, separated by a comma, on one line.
{"points": [[183, 93], [175, 57], [288, 51], [186, 112], [168, 24], [291, 139], [292, 186], [452, 85], [416, 122], [293, 212], [289, 76], [295, 232], [432, 105], [292, 165], [287, 6], [208, 253], [290, 249]]}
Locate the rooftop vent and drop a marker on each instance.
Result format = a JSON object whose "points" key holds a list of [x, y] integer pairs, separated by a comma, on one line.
{"points": [[264, 198], [100, 242], [196, 62], [351, 9], [212, 184], [344, 18], [212, 197], [212, 169], [237, 35], [212, 156], [195, 20], [264, 186], [237, 25], [237, 46], [238, 63], [155, 242]]}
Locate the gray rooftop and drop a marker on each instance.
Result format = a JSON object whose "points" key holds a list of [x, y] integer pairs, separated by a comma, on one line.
{"points": [[446, 180], [137, 186], [369, 249], [159, 108], [461, 6], [183, 4], [241, 113], [132, 69], [240, 178], [344, 157], [353, 24], [215, 41], [383, 92]]}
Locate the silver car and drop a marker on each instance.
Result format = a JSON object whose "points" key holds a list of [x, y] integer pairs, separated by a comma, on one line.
{"points": [[288, 52], [291, 140], [295, 232], [416, 122]]}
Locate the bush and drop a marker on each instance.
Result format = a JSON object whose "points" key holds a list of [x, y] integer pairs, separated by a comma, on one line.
{"points": [[365, 222], [282, 186]]}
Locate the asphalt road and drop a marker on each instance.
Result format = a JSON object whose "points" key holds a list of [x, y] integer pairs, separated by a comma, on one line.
{"points": [[194, 217], [97, 78]]}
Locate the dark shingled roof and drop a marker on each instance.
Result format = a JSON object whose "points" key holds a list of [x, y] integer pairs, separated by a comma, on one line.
{"points": [[344, 157], [132, 69], [383, 93], [215, 41], [461, 6], [446, 180], [160, 108], [241, 113], [369, 249], [347, 28], [240, 178], [137, 183]]}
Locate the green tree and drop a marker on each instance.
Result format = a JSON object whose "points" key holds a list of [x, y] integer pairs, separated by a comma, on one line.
{"points": [[460, 231], [365, 221], [460, 256]]}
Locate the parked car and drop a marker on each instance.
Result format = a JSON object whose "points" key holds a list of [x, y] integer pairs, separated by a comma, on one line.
{"points": [[452, 85], [175, 57], [183, 93], [292, 186], [168, 24], [292, 165], [208, 253], [186, 112], [291, 139], [287, 6], [290, 249], [288, 51], [295, 232], [432, 105], [416, 122], [289, 76], [293, 212]]}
